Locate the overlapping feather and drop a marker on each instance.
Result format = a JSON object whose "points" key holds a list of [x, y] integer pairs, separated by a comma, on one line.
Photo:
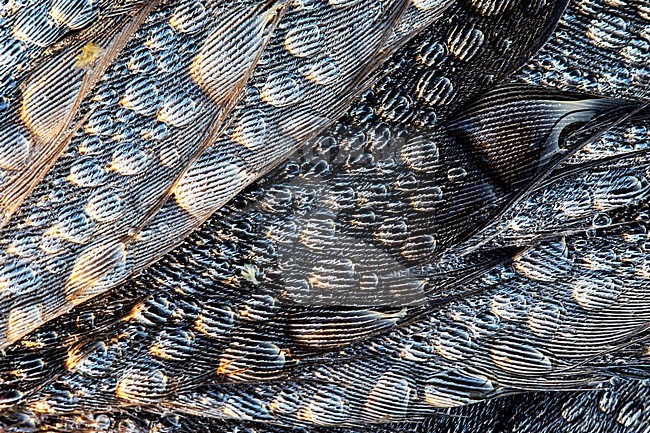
{"points": [[448, 241]]}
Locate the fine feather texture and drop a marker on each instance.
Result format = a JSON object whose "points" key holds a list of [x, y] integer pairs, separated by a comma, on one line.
{"points": [[39, 121], [105, 208], [456, 237]]}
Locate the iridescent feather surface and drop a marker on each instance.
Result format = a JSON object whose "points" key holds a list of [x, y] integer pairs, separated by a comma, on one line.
{"points": [[324, 216]]}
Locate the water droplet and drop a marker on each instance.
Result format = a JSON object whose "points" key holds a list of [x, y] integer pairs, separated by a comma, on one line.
{"points": [[87, 172], [37, 29], [392, 232], [174, 345], [614, 191], [579, 205], [168, 61], [631, 415], [178, 110], [160, 38], [247, 362], [421, 154], [434, 90], [608, 401], [427, 200], [106, 204], [75, 14], [510, 305], [91, 359], [281, 90], [169, 157], [101, 124], [156, 132], [601, 220], [328, 407], [98, 267], [209, 183], [395, 107], [323, 71], [224, 59], [102, 422], [305, 40], [546, 261], [544, 319], [90, 145], [465, 42], [10, 398], [25, 246], [189, 17], [142, 96], [142, 62], [73, 226], [419, 248], [18, 278], [454, 388], [484, 324], [596, 292], [216, 322], [130, 160], [154, 311], [52, 243], [454, 342], [22, 320], [456, 174], [519, 359], [143, 385], [15, 147], [432, 54], [250, 130], [389, 399]]}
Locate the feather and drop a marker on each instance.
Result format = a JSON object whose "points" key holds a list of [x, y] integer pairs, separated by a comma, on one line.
{"points": [[41, 120], [455, 238]]}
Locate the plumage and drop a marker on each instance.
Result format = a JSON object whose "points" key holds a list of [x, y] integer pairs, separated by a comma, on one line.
{"points": [[413, 216]]}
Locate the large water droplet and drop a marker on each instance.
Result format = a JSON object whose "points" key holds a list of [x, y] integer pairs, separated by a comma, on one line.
{"points": [[435, 90], [142, 96], [305, 40], [18, 278], [390, 397], [189, 17], [106, 204], [75, 14], [15, 147], [143, 385], [87, 172], [178, 110], [596, 292], [96, 268], [281, 90], [456, 388], [322, 71], [130, 160], [173, 345], [520, 359]]}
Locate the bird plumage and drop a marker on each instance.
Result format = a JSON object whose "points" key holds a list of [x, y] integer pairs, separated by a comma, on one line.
{"points": [[472, 227]]}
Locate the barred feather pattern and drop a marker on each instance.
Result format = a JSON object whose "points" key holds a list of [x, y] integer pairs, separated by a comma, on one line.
{"points": [[324, 216]]}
